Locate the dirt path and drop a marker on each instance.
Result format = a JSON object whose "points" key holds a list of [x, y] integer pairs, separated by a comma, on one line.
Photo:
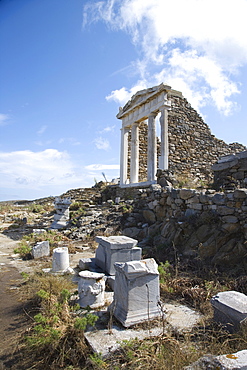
{"points": [[13, 321]]}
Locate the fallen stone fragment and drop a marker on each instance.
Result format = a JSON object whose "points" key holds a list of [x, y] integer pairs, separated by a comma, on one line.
{"points": [[231, 361], [230, 309], [41, 249]]}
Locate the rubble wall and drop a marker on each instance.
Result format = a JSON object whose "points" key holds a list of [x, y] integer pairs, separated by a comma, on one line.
{"points": [[208, 225]]}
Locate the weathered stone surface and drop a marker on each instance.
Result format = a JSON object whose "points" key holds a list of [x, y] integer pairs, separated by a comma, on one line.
{"points": [[116, 242], [230, 308], [230, 219], [231, 361], [242, 155], [179, 317], [186, 193], [223, 210], [224, 165], [115, 249], [91, 289], [60, 259], [149, 216], [230, 228], [41, 249], [218, 199], [132, 232], [230, 178], [136, 294], [240, 193]]}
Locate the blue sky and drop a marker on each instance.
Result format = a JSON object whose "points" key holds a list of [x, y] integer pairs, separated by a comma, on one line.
{"points": [[67, 65]]}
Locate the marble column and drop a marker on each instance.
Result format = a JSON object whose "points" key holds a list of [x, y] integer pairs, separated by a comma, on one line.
{"points": [[134, 159], [124, 155], [152, 148], [164, 148]]}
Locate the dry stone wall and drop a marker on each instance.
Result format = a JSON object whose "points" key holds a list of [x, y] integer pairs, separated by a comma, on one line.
{"points": [[192, 147], [208, 225]]}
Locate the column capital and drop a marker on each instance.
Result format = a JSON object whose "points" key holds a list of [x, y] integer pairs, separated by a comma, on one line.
{"points": [[166, 105], [152, 114]]}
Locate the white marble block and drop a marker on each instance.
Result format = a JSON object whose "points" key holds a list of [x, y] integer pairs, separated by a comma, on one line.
{"points": [[230, 309], [136, 292], [41, 249], [91, 289], [115, 249], [60, 259]]}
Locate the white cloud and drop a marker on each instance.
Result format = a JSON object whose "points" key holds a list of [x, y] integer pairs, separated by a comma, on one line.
{"points": [[199, 43], [123, 95], [37, 169], [3, 119], [101, 167], [108, 129], [102, 143], [70, 140], [42, 130]]}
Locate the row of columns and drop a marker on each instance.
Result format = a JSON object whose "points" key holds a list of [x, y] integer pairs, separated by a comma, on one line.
{"points": [[151, 150]]}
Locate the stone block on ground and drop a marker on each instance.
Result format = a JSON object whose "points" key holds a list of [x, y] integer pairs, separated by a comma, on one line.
{"points": [[231, 361], [136, 292], [115, 249], [230, 309], [104, 341], [41, 249]]}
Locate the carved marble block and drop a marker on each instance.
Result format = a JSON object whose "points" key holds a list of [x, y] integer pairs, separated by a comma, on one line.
{"points": [[91, 289], [41, 249], [230, 309], [115, 249], [136, 293]]}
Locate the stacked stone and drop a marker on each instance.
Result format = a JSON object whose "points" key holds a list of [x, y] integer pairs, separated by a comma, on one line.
{"points": [[207, 224], [143, 144], [230, 172], [192, 147]]}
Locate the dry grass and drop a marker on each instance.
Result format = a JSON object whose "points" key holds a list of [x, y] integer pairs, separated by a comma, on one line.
{"points": [[55, 338]]}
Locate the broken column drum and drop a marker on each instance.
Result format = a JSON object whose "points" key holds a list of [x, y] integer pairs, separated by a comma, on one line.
{"points": [[60, 259], [91, 289], [115, 249], [136, 293]]}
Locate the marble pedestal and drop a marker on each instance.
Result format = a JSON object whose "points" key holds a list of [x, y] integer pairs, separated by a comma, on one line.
{"points": [[115, 249], [91, 289], [136, 292]]}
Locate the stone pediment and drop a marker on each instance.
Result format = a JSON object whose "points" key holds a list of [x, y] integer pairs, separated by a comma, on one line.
{"points": [[142, 97]]}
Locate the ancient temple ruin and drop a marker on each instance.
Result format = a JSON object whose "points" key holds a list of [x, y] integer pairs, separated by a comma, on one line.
{"points": [[186, 145], [144, 105]]}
